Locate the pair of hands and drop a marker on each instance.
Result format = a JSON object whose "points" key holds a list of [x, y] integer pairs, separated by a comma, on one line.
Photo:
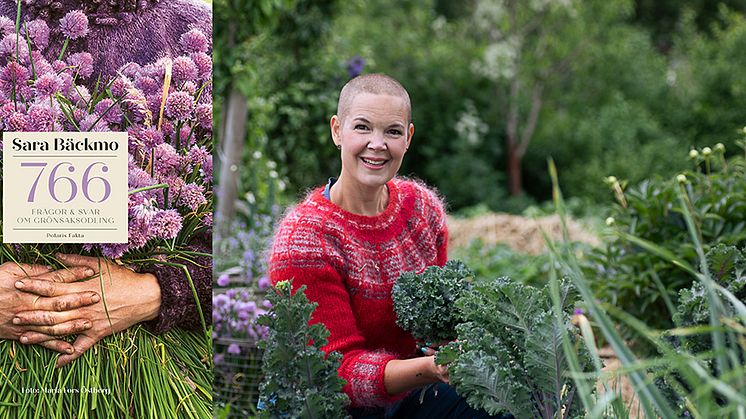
{"points": [[38, 305]]}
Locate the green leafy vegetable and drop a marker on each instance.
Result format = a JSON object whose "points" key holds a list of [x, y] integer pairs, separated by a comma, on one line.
{"points": [[424, 303], [509, 356], [299, 382]]}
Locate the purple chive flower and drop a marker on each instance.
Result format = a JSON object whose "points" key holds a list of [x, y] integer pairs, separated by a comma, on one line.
{"points": [[224, 280], [578, 311], [194, 41], [111, 114], [355, 66], [218, 359], [183, 69], [263, 283], [42, 117], [74, 24], [137, 104], [137, 234], [149, 86], [67, 82], [130, 70], [203, 112], [80, 96], [17, 122], [8, 47], [179, 105], [114, 250], [192, 196], [221, 300], [83, 63], [189, 87], [207, 219], [7, 26], [167, 161], [120, 86], [234, 349], [93, 123], [48, 84], [38, 32], [41, 65], [166, 224], [203, 63]]}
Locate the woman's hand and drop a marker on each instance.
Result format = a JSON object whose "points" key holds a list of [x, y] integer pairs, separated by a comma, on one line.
{"points": [[430, 348], [402, 375], [14, 300], [130, 298]]}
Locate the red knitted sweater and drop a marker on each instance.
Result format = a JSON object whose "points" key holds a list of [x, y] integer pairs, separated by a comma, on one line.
{"points": [[349, 263]]}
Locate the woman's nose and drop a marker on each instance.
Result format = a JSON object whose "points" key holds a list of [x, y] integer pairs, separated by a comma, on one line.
{"points": [[377, 142]]}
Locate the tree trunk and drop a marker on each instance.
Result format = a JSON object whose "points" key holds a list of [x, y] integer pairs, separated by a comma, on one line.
{"points": [[515, 183], [237, 113]]}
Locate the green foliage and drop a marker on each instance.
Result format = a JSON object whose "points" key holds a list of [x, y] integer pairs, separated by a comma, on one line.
{"points": [[686, 378], [424, 302], [299, 381], [709, 80], [492, 261], [646, 284], [509, 355], [727, 265]]}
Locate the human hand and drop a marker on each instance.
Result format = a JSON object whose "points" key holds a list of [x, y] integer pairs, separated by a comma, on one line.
{"points": [[13, 300], [130, 298], [429, 348], [439, 372]]}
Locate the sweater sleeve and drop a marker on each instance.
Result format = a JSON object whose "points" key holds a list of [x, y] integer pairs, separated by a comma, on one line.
{"points": [[178, 307], [362, 368]]}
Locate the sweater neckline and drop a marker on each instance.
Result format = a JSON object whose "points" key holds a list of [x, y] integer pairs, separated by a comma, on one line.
{"points": [[382, 221]]}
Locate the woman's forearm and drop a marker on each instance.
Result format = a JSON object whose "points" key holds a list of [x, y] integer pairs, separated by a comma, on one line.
{"points": [[403, 375]]}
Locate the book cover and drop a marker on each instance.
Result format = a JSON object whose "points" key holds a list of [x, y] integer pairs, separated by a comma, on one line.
{"points": [[106, 257]]}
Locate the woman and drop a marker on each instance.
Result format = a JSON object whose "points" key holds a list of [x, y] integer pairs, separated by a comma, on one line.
{"points": [[350, 241]]}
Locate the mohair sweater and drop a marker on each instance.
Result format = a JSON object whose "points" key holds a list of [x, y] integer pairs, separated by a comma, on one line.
{"points": [[349, 263]]}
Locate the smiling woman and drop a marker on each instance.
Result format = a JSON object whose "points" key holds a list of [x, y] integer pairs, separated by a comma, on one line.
{"points": [[349, 242]]}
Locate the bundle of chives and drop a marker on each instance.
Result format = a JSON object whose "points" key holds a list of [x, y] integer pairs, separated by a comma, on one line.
{"points": [[129, 374]]}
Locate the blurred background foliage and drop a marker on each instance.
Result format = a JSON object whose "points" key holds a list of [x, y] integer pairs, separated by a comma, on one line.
{"points": [[621, 87]]}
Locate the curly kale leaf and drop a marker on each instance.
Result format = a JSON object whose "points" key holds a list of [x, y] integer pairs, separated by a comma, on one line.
{"points": [[424, 303], [299, 380], [509, 354]]}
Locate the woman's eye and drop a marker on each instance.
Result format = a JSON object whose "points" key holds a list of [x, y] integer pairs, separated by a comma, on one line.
{"points": [[361, 127], [395, 132]]}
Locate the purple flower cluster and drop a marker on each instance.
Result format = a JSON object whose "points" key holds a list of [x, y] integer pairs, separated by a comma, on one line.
{"points": [[235, 313], [165, 107]]}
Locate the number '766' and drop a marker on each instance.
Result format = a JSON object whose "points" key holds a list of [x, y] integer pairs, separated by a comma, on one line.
{"points": [[54, 178]]}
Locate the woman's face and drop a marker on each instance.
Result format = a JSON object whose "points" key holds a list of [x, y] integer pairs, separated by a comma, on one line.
{"points": [[374, 136]]}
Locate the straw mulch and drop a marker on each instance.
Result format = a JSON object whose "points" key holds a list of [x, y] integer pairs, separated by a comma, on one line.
{"points": [[520, 233]]}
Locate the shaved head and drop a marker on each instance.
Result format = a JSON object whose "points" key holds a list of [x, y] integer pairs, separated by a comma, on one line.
{"points": [[377, 84]]}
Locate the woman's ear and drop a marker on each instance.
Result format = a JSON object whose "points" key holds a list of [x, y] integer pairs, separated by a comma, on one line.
{"points": [[410, 133], [335, 125]]}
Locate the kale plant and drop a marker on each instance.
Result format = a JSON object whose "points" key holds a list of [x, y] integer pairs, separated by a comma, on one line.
{"points": [[424, 303], [727, 266], [509, 354], [299, 381]]}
